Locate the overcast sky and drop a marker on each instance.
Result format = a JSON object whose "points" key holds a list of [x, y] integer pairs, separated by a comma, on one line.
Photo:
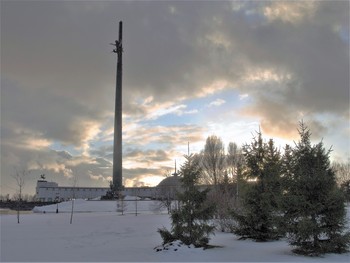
{"points": [[190, 69]]}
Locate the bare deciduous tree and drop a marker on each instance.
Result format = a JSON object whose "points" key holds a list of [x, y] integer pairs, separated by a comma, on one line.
{"points": [[20, 175], [168, 196], [342, 171], [121, 205], [213, 161], [234, 158], [234, 162]]}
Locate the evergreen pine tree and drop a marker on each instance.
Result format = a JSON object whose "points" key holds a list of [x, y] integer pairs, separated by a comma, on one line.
{"points": [[190, 223], [287, 163], [313, 204], [259, 218]]}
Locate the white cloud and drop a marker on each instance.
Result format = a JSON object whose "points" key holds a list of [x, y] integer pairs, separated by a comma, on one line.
{"points": [[194, 111], [243, 96], [290, 11], [99, 178], [216, 103], [174, 109], [213, 87]]}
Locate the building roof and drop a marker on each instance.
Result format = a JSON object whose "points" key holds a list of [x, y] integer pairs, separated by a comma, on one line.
{"points": [[172, 181]]}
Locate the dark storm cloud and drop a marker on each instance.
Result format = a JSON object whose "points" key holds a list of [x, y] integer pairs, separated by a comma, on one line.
{"points": [[54, 116], [172, 50], [316, 57], [58, 71], [312, 51], [58, 58]]}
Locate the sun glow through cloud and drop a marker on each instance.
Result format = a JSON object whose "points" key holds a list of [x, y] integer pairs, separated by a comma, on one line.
{"points": [[204, 68]]}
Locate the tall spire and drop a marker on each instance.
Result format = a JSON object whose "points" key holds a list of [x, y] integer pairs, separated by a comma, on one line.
{"points": [[175, 172], [117, 148]]}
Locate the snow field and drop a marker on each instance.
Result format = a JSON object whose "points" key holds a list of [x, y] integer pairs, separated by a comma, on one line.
{"points": [[110, 237]]}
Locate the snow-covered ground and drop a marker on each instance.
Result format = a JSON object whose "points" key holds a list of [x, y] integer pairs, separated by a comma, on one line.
{"points": [[100, 234]]}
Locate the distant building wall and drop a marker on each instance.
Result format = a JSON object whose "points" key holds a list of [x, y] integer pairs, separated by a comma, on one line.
{"points": [[50, 191], [145, 192]]}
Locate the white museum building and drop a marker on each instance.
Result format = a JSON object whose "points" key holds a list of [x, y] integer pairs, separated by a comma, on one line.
{"points": [[51, 191]]}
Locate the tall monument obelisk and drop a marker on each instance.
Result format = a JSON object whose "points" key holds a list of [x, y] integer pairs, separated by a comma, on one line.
{"points": [[117, 148]]}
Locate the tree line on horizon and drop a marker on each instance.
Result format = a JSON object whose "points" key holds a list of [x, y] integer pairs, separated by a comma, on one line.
{"points": [[259, 193]]}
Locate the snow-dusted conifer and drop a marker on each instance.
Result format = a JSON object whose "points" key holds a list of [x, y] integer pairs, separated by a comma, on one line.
{"points": [[190, 223], [259, 218], [313, 204]]}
